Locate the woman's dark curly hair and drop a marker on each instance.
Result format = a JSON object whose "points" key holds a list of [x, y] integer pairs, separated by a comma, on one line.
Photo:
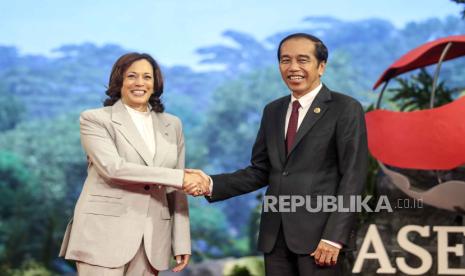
{"points": [[117, 76]]}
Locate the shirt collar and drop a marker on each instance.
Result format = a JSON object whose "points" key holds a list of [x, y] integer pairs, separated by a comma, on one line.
{"points": [[137, 112], [307, 99]]}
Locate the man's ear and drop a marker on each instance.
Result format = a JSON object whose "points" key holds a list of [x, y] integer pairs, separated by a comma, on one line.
{"points": [[321, 68]]}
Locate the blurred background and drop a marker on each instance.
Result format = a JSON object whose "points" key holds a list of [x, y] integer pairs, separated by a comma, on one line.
{"points": [[220, 68]]}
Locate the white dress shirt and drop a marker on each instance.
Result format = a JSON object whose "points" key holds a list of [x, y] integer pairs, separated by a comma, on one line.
{"points": [[144, 124], [305, 103]]}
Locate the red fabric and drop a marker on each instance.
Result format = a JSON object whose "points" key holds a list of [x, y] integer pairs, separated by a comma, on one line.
{"points": [[432, 139], [292, 126], [424, 55]]}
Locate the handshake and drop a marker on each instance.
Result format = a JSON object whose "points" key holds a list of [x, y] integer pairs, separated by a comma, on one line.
{"points": [[196, 183]]}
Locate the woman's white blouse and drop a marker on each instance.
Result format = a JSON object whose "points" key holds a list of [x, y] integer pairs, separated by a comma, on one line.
{"points": [[144, 124]]}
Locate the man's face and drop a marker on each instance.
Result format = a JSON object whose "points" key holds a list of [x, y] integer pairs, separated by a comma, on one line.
{"points": [[299, 67]]}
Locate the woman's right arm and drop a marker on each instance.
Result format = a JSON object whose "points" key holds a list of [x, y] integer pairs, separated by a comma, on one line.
{"points": [[103, 154]]}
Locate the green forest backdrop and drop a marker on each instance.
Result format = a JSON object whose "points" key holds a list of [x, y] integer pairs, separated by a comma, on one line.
{"points": [[42, 165]]}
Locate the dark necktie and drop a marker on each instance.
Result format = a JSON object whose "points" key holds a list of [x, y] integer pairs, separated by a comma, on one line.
{"points": [[292, 126]]}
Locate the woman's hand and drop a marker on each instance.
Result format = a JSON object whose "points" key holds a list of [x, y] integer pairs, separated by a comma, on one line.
{"points": [[182, 261]]}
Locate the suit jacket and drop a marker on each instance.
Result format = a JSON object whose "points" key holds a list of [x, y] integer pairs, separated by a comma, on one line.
{"points": [[129, 194], [329, 157]]}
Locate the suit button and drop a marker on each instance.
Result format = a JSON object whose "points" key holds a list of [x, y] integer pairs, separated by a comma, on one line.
{"points": [[285, 173], [147, 187]]}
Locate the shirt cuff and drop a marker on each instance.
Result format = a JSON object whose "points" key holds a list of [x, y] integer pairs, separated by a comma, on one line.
{"points": [[210, 188], [335, 244]]}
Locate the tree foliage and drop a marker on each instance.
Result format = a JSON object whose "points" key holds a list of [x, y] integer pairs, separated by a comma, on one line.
{"points": [[211, 233], [415, 93], [49, 154], [11, 110], [462, 2], [18, 207]]}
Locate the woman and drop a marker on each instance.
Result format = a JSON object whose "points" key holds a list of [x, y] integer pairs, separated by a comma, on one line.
{"points": [[130, 219]]}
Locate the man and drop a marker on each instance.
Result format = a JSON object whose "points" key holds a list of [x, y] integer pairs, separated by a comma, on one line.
{"points": [[311, 143]]}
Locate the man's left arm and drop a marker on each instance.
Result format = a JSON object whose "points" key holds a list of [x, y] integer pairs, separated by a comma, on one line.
{"points": [[352, 150]]}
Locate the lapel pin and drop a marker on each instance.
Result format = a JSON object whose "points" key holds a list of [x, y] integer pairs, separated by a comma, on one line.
{"points": [[317, 110]]}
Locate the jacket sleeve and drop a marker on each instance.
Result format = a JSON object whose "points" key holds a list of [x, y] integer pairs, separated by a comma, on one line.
{"points": [[352, 151], [103, 154]]}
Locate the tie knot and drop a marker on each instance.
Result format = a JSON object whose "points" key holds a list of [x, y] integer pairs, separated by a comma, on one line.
{"points": [[295, 105]]}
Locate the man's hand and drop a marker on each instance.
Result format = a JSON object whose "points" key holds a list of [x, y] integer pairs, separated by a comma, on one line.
{"points": [[196, 182], [181, 262], [325, 254]]}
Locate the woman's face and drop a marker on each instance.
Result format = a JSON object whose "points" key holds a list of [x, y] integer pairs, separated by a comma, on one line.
{"points": [[138, 81]]}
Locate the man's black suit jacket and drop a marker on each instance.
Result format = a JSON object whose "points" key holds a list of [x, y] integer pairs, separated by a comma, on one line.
{"points": [[329, 157]]}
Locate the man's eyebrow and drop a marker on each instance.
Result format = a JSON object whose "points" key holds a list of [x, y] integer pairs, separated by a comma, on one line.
{"points": [[298, 56]]}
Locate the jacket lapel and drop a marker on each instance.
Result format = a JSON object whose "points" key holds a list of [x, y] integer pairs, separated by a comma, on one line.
{"points": [[314, 113], [160, 129], [121, 117]]}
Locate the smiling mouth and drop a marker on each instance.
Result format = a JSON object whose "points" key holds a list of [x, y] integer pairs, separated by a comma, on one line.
{"points": [[295, 78], [138, 93]]}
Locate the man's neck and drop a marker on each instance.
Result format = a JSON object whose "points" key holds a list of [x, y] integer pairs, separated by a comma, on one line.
{"points": [[300, 95]]}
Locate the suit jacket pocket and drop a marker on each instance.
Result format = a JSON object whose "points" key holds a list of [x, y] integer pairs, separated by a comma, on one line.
{"points": [[102, 189], [105, 208], [323, 188], [108, 193], [317, 132]]}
